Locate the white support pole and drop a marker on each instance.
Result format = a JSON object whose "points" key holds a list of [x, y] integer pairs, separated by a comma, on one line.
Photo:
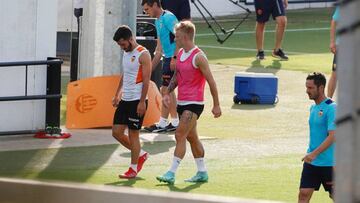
{"points": [[347, 173], [99, 54]]}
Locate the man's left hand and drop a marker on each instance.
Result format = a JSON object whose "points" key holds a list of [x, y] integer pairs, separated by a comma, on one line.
{"points": [[141, 108], [309, 157], [216, 111]]}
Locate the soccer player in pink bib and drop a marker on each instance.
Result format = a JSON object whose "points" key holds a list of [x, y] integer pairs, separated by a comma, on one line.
{"points": [[192, 71]]}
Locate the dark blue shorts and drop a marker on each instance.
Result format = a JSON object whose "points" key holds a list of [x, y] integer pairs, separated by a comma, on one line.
{"points": [[167, 73], [313, 176], [265, 8]]}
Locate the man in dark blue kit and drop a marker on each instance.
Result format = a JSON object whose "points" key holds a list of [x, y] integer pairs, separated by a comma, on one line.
{"points": [[180, 8], [265, 8]]}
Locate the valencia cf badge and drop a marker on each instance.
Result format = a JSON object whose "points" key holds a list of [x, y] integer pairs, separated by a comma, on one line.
{"points": [[132, 59], [321, 113]]}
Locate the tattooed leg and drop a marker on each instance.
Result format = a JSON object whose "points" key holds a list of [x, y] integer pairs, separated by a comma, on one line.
{"points": [[187, 123]]}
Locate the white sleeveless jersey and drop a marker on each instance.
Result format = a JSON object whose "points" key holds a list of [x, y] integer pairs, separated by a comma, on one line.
{"points": [[132, 79]]}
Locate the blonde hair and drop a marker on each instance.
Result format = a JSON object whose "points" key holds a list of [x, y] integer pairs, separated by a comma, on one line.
{"points": [[186, 27]]}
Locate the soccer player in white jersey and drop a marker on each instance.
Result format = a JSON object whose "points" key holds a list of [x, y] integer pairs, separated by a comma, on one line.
{"points": [[131, 98]]}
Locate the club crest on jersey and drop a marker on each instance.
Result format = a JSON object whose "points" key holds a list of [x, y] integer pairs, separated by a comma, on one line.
{"points": [[132, 58], [321, 113]]}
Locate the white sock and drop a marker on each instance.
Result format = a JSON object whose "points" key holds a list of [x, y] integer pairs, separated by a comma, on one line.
{"points": [[163, 122], [126, 131], [142, 152], [175, 164], [134, 167], [175, 121], [200, 163]]}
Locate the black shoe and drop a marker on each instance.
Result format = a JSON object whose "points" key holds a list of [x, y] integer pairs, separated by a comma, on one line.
{"points": [[260, 55], [155, 129], [170, 128], [280, 54]]}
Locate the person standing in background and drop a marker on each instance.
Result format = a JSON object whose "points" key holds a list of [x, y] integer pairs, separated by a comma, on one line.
{"points": [[263, 9]]}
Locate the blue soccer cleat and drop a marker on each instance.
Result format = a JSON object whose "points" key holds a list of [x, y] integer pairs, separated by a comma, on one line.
{"points": [[168, 177], [200, 177]]}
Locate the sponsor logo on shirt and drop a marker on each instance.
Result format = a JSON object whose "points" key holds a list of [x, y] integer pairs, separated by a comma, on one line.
{"points": [[321, 113]]}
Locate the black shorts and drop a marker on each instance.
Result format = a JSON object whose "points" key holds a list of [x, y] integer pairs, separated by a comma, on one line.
{"points": [[195, 108], [334, 63], [313, 176], [167, 73], [265, 8], [126, 114]]}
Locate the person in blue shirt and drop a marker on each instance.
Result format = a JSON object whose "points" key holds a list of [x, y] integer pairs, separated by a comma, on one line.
{"points": [[333, 44], [319, 160], [165, 23]]}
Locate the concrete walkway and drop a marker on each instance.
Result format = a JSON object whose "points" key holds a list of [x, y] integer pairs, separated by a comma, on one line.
{"points": [[84, 137]]}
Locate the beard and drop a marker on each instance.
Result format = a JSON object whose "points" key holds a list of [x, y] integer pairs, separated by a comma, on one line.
{"points": [[129, 48], [313, 96]]}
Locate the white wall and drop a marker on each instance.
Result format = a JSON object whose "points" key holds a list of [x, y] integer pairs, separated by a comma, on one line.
{"points": [[28, 32], [65, 16], [99, 54]]}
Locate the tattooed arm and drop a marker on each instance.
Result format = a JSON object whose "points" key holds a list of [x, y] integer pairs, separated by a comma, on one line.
{"points": [[172, 85]]}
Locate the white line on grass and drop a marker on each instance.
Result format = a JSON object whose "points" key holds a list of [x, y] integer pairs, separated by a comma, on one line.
{"points": [[246, 49], [268, 31]]}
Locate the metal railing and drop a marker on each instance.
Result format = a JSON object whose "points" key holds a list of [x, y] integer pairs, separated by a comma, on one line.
{"points": [[53, 91]]}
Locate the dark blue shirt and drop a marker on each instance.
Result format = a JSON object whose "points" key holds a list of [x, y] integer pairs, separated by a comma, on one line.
{"points": [[180, 8]]}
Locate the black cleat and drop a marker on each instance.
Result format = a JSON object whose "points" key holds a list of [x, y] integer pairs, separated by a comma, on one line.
{"points": [[155, 129], [260, 55], [170, 128], [280, 54]]}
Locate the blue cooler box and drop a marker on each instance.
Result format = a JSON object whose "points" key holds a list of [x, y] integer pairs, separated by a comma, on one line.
{"points": [[255, 88]]}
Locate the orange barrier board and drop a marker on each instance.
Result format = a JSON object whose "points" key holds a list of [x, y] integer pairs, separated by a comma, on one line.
{"points": [[89, 103]]}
